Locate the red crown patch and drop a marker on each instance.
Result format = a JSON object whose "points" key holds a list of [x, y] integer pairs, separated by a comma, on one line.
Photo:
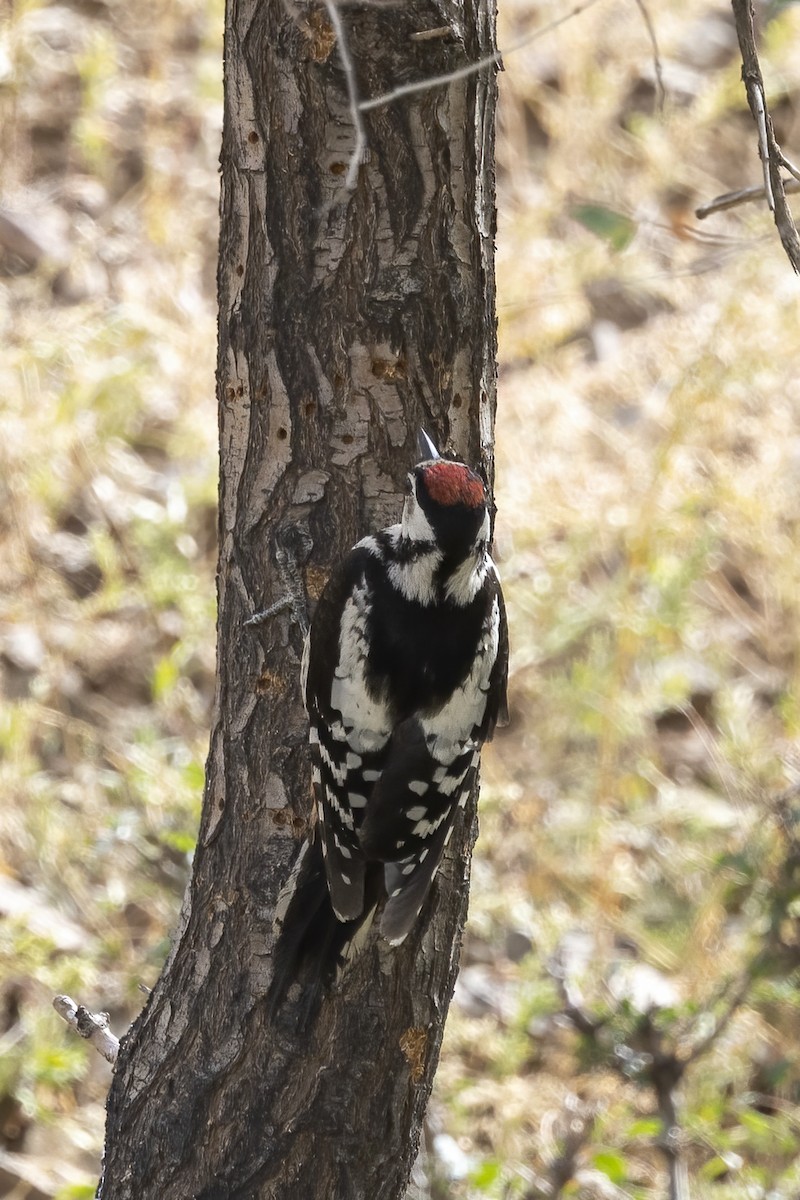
{"points": [[453, 483]]}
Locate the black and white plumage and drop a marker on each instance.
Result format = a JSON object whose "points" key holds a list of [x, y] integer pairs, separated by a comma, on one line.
{"points": [[404, 678]]}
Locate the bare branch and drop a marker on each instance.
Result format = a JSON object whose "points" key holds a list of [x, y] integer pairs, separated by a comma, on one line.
{"points": [[92, 1026], [661, 91], [768, 148], [743, 196], [790, 167]]}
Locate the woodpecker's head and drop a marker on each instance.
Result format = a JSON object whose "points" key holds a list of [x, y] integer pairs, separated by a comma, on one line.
{"points": [[446, 504]]}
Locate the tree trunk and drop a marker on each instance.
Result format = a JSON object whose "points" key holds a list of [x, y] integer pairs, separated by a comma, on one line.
{"points": [[347, 319]]}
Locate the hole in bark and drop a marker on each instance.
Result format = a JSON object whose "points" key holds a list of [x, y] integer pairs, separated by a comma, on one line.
{"points": [[282, 434], [309, 408], [347, 439], [457, 402], [338, 168], [240, 270], [252, 137], [240, 390]]}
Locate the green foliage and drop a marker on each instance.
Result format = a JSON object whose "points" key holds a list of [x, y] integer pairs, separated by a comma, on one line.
{"points": [[614, 227]]}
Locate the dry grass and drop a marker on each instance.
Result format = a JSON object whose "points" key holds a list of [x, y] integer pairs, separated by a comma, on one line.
{"points": [[648, 481]]}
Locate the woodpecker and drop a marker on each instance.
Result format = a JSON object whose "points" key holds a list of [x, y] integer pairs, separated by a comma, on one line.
{"points": [[404, 678]]}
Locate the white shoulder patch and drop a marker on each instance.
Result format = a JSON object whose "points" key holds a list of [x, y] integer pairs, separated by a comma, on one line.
{"points": [[365, 716], [448, 731]]}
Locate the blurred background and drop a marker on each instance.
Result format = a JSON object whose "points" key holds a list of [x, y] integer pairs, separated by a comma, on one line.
{"points": [[633, 954]]}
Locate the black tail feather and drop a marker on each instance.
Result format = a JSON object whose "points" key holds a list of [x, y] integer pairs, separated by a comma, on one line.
{"points": [[312, 942]]}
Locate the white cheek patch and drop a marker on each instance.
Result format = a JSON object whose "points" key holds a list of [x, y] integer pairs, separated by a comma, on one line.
{"points": [[416, 580], [467, 580], [415, 524]]}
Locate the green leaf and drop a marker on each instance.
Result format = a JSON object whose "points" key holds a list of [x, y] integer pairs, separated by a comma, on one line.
{"points": [[718, 1166], [612, 1165], [613, 227], [756, 1122], [165, 675], [645, 1127], [484, 1175], [77, 1191]]}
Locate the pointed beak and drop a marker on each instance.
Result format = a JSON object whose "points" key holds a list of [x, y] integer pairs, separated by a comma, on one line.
{"points": [[426, 447]]}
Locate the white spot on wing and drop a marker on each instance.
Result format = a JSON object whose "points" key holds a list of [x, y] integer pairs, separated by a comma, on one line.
{"points": [[417, 812], [426, 828], [418, 787]]}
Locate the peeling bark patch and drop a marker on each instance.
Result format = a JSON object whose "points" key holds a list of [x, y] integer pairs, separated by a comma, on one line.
{"points": [[374, 372], [414, 1043], [215, 800], [310, 487], [351, 427], [275, 793]]}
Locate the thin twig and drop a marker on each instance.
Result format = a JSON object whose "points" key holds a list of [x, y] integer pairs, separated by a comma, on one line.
{"points": [[92, 1026], [743, 196], [424, 85], [735, 1001], [769, 149], [356, 108], [790, 167], [661, 91], [760, 113], [431, 35]]}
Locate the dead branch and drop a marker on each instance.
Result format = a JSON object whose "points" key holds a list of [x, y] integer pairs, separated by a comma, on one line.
{"points": [[89, 1025], [743, 196], [769, 151]]}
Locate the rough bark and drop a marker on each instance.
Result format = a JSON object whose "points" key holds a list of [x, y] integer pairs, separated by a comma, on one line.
{"points": [[346, 320]]}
